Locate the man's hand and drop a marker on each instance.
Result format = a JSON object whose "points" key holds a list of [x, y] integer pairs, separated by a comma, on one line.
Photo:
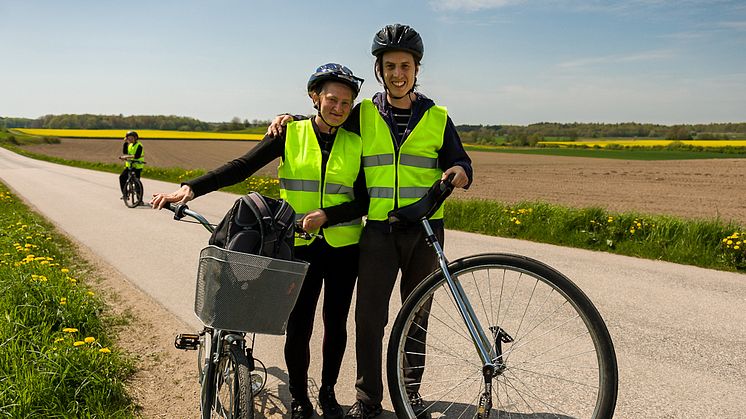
{"points": [[313, 220], [459, 176], [277, 125], [181, 196]]}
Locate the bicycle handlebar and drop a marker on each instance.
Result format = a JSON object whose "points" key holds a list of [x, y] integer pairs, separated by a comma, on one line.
{"points": [[426, 206], [182, 210]]}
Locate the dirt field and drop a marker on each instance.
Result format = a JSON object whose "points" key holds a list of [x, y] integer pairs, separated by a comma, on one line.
{"points": [[687, 188]]}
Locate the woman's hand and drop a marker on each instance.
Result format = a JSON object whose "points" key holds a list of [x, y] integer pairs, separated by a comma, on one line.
{"points": [[181, 196], [313, 220], [459, 176], [276, 127]]}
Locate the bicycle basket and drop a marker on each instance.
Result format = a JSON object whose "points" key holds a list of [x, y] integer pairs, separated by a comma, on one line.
{"points": [[244, 292]]}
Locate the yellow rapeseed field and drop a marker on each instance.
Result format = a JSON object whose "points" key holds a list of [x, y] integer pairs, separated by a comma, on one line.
{"points": [[144, 134], [648, 143]]}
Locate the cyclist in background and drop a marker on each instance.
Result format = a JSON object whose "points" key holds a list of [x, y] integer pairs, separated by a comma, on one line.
{"points": [[408, 144], [321, 163], [132, 154]]}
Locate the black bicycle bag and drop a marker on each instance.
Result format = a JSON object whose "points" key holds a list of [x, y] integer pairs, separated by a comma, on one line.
{"points": [[258, 225]]}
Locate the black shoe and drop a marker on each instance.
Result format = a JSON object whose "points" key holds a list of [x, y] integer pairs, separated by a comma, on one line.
{"points": [[363, 411], [418, 405], [328, 403], [301, 409]]}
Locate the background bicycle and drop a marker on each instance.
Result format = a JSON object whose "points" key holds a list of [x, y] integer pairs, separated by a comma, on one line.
{"points": [[133, 189], [238, 295], [497, 335]]}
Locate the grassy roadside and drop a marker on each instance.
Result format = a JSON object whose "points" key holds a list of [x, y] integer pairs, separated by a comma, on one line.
{"points": [[56, 353], [710, 244], [706, 243]]}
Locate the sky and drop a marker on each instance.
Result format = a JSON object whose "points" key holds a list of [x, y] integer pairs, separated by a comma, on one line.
{"points": [[488, 61]]}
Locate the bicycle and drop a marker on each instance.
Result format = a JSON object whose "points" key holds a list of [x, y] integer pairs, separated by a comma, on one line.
{"points": [[133, 189], [238, 294], [497, 335]]}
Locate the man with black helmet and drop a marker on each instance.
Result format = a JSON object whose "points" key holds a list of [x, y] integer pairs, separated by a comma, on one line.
{"points": [[408, 144], [320, 164], [132, 154]]}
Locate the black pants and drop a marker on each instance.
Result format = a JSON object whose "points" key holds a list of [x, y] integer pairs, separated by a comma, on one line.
{"points": [[382, 255], [336, 270], [124, 175]]}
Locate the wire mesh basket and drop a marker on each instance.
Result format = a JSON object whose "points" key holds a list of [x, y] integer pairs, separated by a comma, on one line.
{"points": [[245, 292]]}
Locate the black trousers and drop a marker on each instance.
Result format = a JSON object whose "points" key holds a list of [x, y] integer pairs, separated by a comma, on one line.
{"points": [[382, 255], [336, 270], [123, 177]]}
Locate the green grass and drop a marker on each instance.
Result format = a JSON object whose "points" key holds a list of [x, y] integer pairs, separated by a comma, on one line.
{"points": [[624, 154], [692, 242], [46, 308]]}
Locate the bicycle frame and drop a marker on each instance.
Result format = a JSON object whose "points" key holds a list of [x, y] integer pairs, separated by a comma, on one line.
{"points": [[480, 339]]}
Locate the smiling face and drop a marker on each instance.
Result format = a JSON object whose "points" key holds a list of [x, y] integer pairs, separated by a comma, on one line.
{"points": [[334, 103], [399, 73]]}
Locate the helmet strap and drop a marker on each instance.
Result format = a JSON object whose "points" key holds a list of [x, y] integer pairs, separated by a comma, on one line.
{"points": [[332, 128]]}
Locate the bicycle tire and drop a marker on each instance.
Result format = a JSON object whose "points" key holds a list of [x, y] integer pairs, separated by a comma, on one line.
{"points": [[130, 193], [139, 191], [234, 397], [207, 373], [560, 364]]}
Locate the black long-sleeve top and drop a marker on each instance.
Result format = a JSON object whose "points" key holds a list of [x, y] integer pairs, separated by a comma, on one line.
{"points": [[270, 148]]}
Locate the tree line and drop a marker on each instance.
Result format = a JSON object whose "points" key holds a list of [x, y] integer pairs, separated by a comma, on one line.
{"points": [[533, 133], [160, 122], [479, 134]]}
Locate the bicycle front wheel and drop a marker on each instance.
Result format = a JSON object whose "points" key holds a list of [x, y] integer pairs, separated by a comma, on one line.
{"points": [[553, 353], [234, 396], [131, 192]]}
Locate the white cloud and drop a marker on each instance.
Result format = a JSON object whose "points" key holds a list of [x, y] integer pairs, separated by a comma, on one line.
{"points": [[470, 5], [616, 59], [736, 25]]}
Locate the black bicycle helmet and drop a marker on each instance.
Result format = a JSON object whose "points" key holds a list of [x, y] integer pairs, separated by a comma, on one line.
{"points": [[398, 37], [132, 134], [335, 72]]}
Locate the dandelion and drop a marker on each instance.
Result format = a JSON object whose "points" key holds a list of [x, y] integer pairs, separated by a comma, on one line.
{"points": [[90, 293], [69, 330], [78, 343], [58, 340], [89, 339], [736, 247], [105, 350], [729, 242], [64, 270], [632, 230], [63, 301]]}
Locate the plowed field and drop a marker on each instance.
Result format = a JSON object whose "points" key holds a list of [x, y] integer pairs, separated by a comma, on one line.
{"points": [[707, 188]]}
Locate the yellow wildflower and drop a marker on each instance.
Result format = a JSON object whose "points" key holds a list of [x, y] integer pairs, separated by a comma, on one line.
{"points": [[78, 343], [105, 350], [69, 330], [89, 339]]}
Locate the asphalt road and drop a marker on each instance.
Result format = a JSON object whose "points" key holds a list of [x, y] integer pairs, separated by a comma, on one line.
{"points": [[679, 331]]}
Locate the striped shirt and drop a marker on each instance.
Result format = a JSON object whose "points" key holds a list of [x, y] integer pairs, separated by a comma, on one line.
{"points": [[401, 117]]}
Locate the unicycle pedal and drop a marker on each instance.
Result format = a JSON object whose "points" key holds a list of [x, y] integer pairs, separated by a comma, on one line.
{"points": [[187, 341]]}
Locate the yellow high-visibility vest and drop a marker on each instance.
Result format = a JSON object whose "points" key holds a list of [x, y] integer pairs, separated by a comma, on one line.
{"points": [[301, 182], [408, 174]]}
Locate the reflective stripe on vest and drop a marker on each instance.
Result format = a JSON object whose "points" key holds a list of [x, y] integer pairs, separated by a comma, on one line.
{"points": [[416, 166], [131, 150], [300, 178]]}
